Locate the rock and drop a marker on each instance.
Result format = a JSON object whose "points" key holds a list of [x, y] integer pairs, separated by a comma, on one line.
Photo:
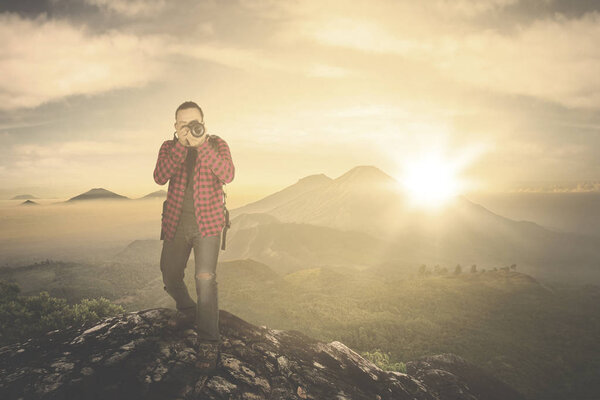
{"points": [[451, 377], [138, 356]]}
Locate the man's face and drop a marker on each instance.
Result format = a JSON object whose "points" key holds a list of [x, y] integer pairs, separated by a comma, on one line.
{"points": [[185, 116]]}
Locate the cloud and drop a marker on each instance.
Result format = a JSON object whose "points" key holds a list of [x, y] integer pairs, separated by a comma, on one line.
{"points": [[555, 58], [71, 161], [468, 8], [222, 54], [368, 36], [80, 148], [565, 187], [45, 59], [127, 144], [329, 71], [130, 8]]}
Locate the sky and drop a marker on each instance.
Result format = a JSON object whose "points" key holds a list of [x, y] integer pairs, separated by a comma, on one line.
{"points": [[504, 93]]}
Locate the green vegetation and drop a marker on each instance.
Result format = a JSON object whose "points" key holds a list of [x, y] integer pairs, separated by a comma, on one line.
{"points": [[382, 360], [542, 340], [26, 317], [77, 281]]}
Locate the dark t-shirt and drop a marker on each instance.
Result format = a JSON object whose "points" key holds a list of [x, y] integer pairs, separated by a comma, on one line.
{"points": [[188, 200]]}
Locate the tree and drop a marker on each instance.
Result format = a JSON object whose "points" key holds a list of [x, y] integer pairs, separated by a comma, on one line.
{"points": [[473, 268], [8, 291], [513, 267], [457, 269]]}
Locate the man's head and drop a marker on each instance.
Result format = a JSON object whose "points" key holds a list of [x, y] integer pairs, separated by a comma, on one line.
{"points": [[187, 112], [187, 105]]}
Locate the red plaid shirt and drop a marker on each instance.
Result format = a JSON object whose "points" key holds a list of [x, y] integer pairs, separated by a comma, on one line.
{"points": [[212, 170]]}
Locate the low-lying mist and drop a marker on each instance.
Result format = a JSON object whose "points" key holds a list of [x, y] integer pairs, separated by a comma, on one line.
{"points": [[77, 230]]}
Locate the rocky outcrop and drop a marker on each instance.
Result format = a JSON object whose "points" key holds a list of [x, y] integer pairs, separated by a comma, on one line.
{"points": [[136, 355], [451, 377]]}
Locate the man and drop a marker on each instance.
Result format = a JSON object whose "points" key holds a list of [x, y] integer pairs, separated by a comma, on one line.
{"points": [[193, 217]]}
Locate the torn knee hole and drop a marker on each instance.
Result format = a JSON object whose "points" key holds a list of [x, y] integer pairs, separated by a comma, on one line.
{"points": [[205, 275]]}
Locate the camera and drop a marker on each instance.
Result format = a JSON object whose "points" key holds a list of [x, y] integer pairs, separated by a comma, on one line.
{"points": [[196, 128]]}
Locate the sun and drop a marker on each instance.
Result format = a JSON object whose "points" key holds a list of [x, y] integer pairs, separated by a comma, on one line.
{"points": [[430, 181]]}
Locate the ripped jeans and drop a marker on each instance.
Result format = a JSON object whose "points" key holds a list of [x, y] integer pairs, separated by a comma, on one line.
{"points": [[173, 260]]}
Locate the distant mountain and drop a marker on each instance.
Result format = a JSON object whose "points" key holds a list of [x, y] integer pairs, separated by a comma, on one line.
{"points": [[251, 220], [289, 247], [247, 272], [291, 192], [24, 197], [577, 212], [367, 200], [364, 198], [140, 251], [361, 199], [158, 193], [29, 203], [98, 193]]}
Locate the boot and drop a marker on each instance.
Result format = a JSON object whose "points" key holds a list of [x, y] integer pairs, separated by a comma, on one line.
{"points": [[208, 356], [183, 319]]}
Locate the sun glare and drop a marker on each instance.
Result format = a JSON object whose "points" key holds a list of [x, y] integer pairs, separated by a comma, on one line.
{"points": [[430, 182]]}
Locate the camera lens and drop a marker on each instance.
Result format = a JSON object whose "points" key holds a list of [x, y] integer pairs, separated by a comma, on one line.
{"points": [[196, 128]]}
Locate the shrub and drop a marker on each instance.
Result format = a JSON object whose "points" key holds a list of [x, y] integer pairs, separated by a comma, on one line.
{"points": [[382, 360], [22, 317]]}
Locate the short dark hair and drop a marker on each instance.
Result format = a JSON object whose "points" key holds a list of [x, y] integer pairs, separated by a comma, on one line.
{"points": [[188, 104]]}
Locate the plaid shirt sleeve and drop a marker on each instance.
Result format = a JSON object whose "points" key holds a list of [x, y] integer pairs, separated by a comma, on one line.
{"points": [[170, 157], [219, 160]]}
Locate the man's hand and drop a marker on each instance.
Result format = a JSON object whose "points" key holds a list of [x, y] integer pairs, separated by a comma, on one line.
{"points": [[182, 136], [194, 141]]}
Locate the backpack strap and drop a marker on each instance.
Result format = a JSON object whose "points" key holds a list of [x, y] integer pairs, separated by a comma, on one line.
{"points": [[213, 142], [227, 222]]}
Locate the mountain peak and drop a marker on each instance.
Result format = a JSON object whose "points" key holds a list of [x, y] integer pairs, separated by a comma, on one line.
{"points": [[315, 178], [365, 173], [136, 355], [266, 204], [159, 193], [97, 193]]}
